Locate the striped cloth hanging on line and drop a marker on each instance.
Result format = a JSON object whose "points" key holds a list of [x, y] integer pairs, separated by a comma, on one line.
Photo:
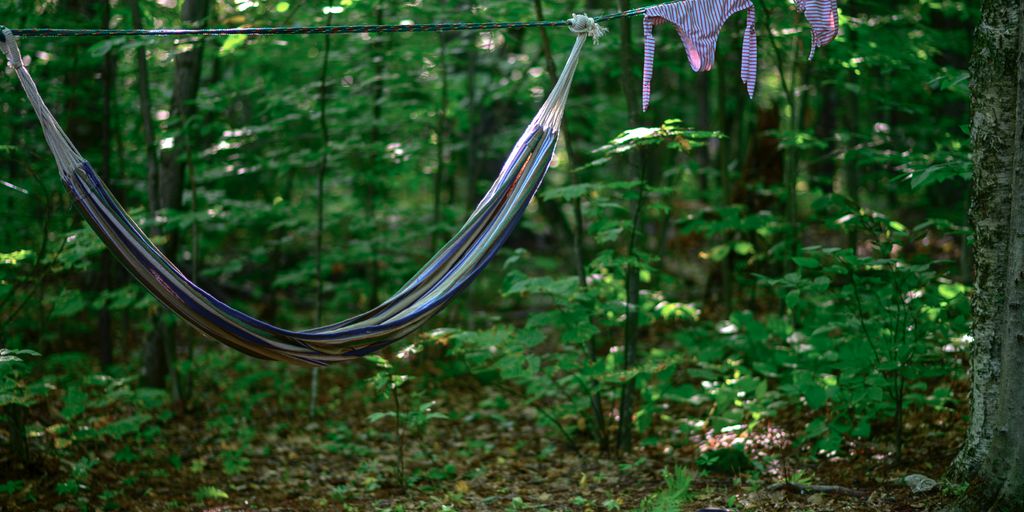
{"points": [[823, 16], [699, 22]]}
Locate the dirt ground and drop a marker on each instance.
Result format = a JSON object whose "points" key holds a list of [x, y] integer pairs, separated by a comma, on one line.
{"points": [[491, 460]]}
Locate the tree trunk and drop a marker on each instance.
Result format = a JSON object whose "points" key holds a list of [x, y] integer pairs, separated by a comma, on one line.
{"points": [[577, 232], [18, 439], [106, 341], [638, 163], [155, 368], [824, 168], [472, 136], [159, 352], [442, 133], [314, 383], [992, 457], [90, 131]]}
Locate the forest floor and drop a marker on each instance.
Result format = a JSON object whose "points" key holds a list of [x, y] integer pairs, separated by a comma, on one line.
{"points": [[495, 458]]}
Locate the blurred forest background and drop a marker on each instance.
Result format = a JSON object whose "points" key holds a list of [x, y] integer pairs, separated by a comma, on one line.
{"points": [[799, 262]]}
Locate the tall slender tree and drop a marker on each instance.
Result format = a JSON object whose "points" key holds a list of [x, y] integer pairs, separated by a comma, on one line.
{"points": [[638, 164], [321, 175], [159, 350], [106, 345], [577, 230]]}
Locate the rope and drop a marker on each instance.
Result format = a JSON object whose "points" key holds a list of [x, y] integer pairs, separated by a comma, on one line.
{"points": [[64, 152], [583, 25], [330, 29]]}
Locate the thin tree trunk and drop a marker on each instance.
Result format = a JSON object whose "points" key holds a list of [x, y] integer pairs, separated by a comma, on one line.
{"points": [[187, 70], [638, 163], [851, 171], [325, 140], [160, 350], [89, 130], [790, 165], [18, 440], [376, 138], [577, 232], [442, 134], [727, 149], [106, 345], [472, 149], [824, 169], [154, 364], [146, 108]]}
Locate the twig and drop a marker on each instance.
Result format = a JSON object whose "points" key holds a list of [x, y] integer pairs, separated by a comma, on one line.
{"points": [[812, 489], [314, 381]]}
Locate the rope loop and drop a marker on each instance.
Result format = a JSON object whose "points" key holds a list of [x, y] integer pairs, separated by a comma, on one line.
{"points": [[581, 24], [10, 47]]}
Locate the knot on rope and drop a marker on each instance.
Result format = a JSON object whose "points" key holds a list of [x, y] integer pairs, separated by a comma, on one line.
{"points": [[582, 24], [10, 48]]}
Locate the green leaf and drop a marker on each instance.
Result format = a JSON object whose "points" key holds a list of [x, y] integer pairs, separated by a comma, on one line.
{"points": [[69, 303], [209, 492], [233, 42], [124, 426], [862, 430], [561, 287], [13, 258], [950, 291], [816, 396], [743, 248], [74, 403], [719, 252], [792, 298], [805, 262], [568, 192]]}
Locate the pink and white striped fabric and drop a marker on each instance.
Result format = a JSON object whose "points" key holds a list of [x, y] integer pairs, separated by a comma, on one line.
{"points": [[698, 23], [823, 15]]}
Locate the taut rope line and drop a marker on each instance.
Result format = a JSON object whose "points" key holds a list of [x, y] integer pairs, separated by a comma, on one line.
{"points": [[331, 29]]}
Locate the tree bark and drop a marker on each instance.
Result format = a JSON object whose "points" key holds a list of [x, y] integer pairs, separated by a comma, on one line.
{"points": [[152, 360], [577, 232], [314, 384], [638, 163], [18, 439], [472, 136], [993, 112], [992, 457], [159, 350], [90, 131], [442, 132], [106, 341]]}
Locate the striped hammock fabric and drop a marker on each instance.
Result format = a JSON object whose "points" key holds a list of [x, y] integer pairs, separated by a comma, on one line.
{"points": [[451, 270]]}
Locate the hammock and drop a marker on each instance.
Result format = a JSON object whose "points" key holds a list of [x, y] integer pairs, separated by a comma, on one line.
{"points": [[452, 269]]}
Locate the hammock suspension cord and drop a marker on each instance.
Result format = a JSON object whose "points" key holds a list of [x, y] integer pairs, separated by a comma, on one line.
{"points": [[329, 29], [449, 271]]}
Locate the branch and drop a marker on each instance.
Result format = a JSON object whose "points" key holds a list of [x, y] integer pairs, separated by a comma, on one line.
{"points": [[811, 489]]}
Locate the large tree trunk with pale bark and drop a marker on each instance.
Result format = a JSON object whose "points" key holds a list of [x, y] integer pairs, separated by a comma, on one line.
{"points": [[992, 458]]}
